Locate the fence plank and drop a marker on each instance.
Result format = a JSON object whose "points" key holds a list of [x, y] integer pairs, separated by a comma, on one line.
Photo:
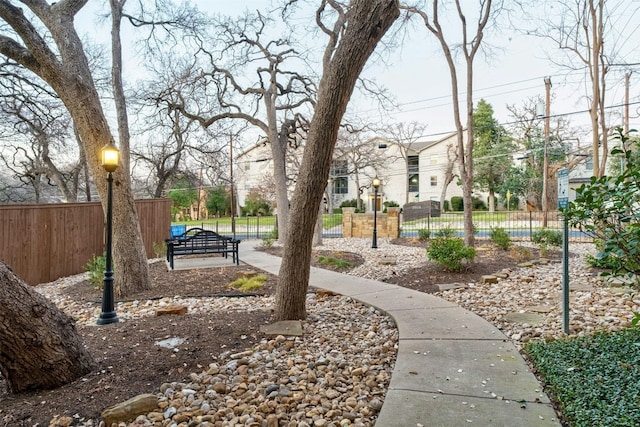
{"points": [[44, 242]]}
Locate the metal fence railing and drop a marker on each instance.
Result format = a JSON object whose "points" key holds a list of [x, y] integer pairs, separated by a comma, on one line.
{"points": [[519, 224], [260, 227]]}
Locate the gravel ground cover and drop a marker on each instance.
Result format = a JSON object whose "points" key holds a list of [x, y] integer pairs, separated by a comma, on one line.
{"points": [[319, 379]]}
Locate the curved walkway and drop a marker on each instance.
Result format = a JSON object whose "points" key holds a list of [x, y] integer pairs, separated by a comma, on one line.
{"points": [[453, 367]]}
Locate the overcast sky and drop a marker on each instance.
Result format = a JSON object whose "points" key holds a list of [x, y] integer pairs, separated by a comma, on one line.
{"points": [[418, 77]]}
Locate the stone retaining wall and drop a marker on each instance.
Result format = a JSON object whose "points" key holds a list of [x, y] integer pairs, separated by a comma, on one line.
{"points": [[361, 225]]}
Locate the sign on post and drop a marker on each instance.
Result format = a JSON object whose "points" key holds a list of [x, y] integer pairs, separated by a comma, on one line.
{"points": [[563, 188], [563, 203]]}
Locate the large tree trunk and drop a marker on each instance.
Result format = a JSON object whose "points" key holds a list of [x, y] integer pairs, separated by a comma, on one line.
{"points": [[317, 234], [366, 22], [69, 75], [279, 142], [40, 346], [118, 87], [492, 201], [131, 270], [448, 174]]}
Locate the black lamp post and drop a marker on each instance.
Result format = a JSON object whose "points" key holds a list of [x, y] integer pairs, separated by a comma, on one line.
{"points": [[110, 161], [376, 185]]}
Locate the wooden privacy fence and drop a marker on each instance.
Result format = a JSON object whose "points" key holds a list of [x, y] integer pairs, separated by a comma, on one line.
{"points": [[42, 243]]}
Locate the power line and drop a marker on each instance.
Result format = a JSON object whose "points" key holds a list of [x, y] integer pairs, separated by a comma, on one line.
{"points": [[436, 98], [571, 113]]}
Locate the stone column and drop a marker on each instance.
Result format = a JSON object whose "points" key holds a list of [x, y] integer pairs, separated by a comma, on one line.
{"points": [[347, 221], [393, 222]]}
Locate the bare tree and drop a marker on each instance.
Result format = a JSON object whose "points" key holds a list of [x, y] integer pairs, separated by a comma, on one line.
{"points": [[449, 174], [38, 133], [469, 47], [46, 43], [353, 36], [273, 101], [124, 137], [355, 153], [528, 136], [405, 135], [585, 34], [163, 148], [167, 23]]}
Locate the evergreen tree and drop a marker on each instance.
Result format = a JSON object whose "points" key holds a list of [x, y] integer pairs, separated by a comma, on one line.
{"points": [[492, 152]]}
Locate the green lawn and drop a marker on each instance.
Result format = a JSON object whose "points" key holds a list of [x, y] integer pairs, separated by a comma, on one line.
{"points": [[328, 221], [226, 220], [457, 218]]}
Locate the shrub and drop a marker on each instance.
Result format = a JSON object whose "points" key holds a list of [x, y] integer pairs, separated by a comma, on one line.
{"points": [[337, 210], [424, 234], [247, 284], [445, 232], [608, 208], [390, 204], [339, 263], [270, 238], [457, 205], [545, 238], [514, 202], [353, 203], [256, 204], [604, 260], [500, 238], [449, 252], [96, 267], [160, 249], [445, 206], [478, 204]]}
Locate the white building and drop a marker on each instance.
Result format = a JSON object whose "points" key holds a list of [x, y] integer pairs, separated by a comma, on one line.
{"points": [[409, 172]]}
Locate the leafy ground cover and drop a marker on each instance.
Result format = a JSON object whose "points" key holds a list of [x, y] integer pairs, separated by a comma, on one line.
{"points": [[595, 380]]}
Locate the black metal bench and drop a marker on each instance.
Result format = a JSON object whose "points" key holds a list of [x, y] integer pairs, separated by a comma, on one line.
{"points": [[200, 241]]}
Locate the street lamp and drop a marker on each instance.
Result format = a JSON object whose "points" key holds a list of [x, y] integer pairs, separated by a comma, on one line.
{"points": [[376, 185], [110, 160]]}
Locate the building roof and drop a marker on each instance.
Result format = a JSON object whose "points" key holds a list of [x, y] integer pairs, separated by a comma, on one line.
{"points": [[419, 146]]}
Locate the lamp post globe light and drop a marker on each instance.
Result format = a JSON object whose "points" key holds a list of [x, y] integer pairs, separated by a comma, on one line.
{"points": [[376, 184], [110, 159]]}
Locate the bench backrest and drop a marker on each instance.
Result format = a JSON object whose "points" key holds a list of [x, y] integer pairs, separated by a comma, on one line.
{"points": [[200, 236]]}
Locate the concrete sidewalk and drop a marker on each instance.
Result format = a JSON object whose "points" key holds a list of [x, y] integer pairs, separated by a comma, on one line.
{"points": [[453, 367]]}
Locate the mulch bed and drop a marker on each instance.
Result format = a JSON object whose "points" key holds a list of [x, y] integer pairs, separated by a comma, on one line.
{"points": [[129, 362]]}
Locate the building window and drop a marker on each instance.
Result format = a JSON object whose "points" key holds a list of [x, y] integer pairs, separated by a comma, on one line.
{"points": [[413, 164], [434, 181], [588, 165], [340, 185], [414, 183], [247, 166], [339, 167]]}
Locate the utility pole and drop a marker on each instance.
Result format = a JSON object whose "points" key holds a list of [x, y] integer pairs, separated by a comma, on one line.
{"points": [[231, 198], [627, 78], [545, 166]]}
